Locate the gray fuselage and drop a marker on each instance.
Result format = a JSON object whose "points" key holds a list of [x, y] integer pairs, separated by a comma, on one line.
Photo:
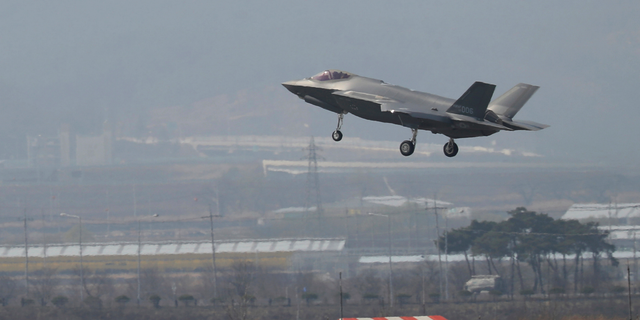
{"points": [[311, 90]]}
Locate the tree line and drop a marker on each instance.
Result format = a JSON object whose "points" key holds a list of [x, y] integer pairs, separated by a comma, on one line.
{"points": [[537, 240]]}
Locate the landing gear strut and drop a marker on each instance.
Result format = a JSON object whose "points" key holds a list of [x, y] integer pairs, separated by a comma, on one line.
{"points": [[408, 146], [337, 135], [450, 148]]}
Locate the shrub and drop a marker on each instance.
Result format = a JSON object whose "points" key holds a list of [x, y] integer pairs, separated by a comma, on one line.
{"points": [[618, 289], [403, 298], [587, 290], [155, 300], [465, 293], [556, 290], [122, 300], [249, 298], [369, 296], [307, 296], [435, 297], [25, 302], [93, 302], [526, 292], [186, 298], [495, 292], [59, 301]]}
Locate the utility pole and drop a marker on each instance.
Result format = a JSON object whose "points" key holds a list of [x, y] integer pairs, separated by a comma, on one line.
{"points": [[26, 252], [135, 202], [213, 254], [629, 290], [635, 260], [313, 182], [341, 311], [50, 204], [446, 256], [44, 243], [138, 295], [139, 247], [390, 268], [80, 244], [424, 302], [108, 213], [435, 208]]}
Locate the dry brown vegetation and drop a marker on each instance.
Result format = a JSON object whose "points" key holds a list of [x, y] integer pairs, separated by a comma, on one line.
{"points": [[588, 309]]}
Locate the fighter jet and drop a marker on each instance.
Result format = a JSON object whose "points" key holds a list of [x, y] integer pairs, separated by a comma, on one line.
{"points": [[471, 115]]}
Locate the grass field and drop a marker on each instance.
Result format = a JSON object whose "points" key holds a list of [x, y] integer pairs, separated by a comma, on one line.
{"points": [[175, 262]]}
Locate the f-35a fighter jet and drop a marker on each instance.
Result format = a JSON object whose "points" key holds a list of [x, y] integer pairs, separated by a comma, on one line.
{"points": [[471, 115]]}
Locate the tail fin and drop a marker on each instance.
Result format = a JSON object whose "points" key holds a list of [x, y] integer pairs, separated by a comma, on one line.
{"points": [[512, 101], [474, 102]]}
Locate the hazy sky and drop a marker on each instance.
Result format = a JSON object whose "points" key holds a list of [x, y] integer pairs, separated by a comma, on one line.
{"points": [[64, 60]]}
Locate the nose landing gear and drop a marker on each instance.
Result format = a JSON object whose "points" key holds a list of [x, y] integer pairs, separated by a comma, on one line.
{"points": [[337, 135]]}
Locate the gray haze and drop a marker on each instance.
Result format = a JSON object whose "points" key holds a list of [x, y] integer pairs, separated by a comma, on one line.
{"points": [[82, 62]]}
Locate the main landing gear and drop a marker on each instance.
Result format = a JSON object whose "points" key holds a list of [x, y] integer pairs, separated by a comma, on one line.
{"points": [[450, 148], [337, 135], [408, 146]]}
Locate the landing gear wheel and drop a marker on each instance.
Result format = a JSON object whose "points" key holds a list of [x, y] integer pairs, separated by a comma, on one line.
{"points": [[450, 149], [336, 135], [407, 147]]}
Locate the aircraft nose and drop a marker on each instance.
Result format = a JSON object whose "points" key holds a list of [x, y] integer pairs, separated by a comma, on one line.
{"points": [[291, 86]]}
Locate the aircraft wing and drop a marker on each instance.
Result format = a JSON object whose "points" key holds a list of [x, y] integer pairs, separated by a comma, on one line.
{"points": [[362, 96], [387, 105], [409, 114]]}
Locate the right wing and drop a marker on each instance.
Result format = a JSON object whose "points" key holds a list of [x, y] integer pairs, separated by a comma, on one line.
{"points": [[412, 115]]}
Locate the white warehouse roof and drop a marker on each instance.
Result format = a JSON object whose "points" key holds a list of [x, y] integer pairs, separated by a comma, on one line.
{"points": [[581, 211], [189, 247]]}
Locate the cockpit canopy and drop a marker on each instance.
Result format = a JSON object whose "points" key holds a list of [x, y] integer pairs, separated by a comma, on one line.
{"points": [[331, 75]]}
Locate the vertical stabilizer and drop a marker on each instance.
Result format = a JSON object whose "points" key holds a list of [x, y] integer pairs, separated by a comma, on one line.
{"points": [[474, 102], [512, 101]]}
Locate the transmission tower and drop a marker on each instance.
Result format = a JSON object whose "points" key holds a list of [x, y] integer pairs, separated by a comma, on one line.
{"points": [[313, 183]]}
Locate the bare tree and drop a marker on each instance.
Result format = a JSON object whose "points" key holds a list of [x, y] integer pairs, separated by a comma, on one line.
{"points": [[153, 282], [96, 283], [44, 283], [7, 289], [368, 284], [241, 285]]}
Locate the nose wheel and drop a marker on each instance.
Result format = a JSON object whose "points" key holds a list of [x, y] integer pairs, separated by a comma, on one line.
{"points": [[450, 148], [408, 146], [337, 135]]}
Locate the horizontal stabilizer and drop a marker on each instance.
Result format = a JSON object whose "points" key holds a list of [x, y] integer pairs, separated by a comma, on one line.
{"points": [[475, 101], [523, 125], [466, 121], [512, 101]]}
